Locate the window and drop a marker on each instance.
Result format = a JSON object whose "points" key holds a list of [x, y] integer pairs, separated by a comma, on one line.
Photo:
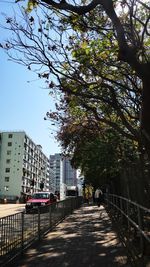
{"points": [[7, 170], [6, 179], [7, 161], [10, 136], [6, 188], [8, 152], [9, 143]]}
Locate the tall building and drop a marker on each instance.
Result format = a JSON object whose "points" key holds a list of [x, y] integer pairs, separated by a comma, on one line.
{"points": [[24, 168], [51, 180], [64, 174], [68, 177], [55, 166], [68, 173]]}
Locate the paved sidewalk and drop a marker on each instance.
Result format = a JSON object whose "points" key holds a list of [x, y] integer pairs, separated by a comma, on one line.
{"points": [[85, 239]]}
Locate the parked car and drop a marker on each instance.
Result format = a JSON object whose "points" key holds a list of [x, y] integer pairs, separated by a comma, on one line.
{"points": [[39, 199]]}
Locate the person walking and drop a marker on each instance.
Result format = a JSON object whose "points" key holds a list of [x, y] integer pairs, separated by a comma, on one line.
{"points": [[98, 196]]}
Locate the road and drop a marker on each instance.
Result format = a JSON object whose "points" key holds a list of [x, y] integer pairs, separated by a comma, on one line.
{"points": [[9, 209]]}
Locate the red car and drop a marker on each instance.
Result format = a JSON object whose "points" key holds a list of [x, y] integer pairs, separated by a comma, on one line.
{"points": [[39, 199]]}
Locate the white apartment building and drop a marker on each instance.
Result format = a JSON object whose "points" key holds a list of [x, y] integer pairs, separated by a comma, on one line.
{"points": [[24, 168]]}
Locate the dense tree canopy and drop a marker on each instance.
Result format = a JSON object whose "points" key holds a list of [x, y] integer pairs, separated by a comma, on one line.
{"points": [[128, 22], [98, 50], [94, 56]]}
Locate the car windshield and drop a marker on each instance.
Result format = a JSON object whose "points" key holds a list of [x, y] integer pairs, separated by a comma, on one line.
{"points": [[40, 196]]}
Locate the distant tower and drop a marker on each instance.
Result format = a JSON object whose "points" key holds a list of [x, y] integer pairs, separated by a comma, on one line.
{"points": [[64, 174], [51, 180], [68, 176], [55, 166], [68, 173]]}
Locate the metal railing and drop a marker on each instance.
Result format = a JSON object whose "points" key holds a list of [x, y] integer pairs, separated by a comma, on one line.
{"points": [[20, 230], [133, 222]]}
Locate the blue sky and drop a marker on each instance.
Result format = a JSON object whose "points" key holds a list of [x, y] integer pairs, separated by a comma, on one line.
{"points": [[24, 104]]}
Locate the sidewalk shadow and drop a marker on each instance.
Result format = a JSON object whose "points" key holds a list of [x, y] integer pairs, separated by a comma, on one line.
{"points": [[84, 239]]}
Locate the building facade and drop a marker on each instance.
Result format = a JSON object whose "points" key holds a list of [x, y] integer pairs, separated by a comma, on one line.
{"points": [[24, 168], [64, 174], [52, 180], [68, 176], [55, 161]]}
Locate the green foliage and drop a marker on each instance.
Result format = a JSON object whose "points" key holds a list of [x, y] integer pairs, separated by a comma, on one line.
{"points": [[31, 4], [101, 157], [95, 63], [97, 161]]}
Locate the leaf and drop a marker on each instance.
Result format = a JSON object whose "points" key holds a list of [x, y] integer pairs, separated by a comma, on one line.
{"points": [[84, 45], [31, 5], [104, 55]]}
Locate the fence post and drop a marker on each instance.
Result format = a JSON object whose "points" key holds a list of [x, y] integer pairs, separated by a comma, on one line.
{"points": [[106, 198], [121, 207], [141, 227], [72, 205], [50, 216], [64, 209], [128, 215], [22, 232], [39, 228]]}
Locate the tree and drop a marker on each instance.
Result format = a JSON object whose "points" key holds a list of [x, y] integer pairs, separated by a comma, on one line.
{"points": [[105, 158], [129, 22], [99, 55], [104, 35]]}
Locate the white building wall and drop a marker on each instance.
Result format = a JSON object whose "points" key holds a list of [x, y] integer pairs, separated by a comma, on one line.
{"points": [[62, 181], [26, 163], [11, 157]]}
